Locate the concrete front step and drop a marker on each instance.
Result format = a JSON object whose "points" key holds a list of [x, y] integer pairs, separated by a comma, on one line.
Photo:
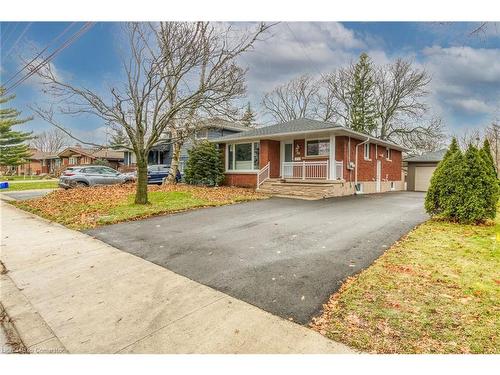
{"points": [[304, 190]]}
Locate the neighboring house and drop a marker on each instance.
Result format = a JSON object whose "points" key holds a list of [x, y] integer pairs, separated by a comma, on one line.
{"points": [[311, 158], [162, 152], [82, 156], [421, 168], [39, 163]]}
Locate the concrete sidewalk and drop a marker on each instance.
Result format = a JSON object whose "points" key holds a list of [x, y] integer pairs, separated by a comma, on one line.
{"points": [[66, 291]]}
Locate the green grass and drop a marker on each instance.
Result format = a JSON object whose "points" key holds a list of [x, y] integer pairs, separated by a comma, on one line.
{"points": [[436, 291], [159, 202], [21, 178], [31, 185]]}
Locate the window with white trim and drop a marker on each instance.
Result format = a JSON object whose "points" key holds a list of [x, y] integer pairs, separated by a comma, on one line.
{"points": [[243, 157], [318, 147], [388, 153], [73, 160], [367, 151]]}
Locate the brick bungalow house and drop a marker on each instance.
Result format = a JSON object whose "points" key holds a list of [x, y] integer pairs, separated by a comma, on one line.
{"points": [[312, 159], [81, 156], [39, 163]]}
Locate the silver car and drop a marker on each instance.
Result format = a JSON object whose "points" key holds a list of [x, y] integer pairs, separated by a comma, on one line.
{"points": [[91, 175]]}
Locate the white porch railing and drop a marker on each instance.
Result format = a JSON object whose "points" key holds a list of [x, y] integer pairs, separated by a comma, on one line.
{"points": [[263, 174], [306, 169], [311, 170]]}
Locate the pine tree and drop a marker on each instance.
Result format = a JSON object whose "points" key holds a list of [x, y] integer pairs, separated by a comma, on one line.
{"points": [[493, 191], [439, 181], [248, 118], [13, 149], [363, 111], [119, 139], [488, 157], [477, 190]]}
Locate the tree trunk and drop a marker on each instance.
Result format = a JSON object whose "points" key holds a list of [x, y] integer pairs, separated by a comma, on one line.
{"points": [[141, 193], [174, 164]]}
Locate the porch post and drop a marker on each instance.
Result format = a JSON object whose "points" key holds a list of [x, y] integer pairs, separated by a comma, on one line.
{"points": [[332, 170]]}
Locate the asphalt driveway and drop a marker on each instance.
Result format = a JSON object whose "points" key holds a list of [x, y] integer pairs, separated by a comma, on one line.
{"points": [[285, 256]]}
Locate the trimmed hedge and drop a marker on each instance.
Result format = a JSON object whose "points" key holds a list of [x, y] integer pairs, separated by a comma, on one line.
{"points": [[464, 187]]}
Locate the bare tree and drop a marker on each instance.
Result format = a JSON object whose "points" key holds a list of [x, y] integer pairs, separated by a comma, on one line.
{"points": [[337, 96], [176, 73], [399, 93], [292, 100], [51, 141], [470, 137]]}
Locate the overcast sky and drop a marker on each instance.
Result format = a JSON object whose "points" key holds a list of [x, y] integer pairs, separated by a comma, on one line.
{"points": [[465, 70]]}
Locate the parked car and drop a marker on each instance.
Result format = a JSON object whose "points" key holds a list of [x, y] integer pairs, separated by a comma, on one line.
{"points": [[91, 175], [156, 173]]}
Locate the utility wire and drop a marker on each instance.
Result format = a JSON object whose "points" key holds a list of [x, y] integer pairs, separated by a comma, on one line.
{"points": [[303, 48], [18, 39], [66, 44], [40, 53], [11, 32]]}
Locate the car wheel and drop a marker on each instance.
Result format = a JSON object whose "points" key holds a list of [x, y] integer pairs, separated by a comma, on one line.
{"points": [[80, 184]]}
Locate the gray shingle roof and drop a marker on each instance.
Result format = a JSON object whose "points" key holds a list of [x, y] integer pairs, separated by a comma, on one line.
{"points": [[302, 125], [435, 156], [294, 126]]}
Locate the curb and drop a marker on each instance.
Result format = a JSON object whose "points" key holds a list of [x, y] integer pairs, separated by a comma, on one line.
{"points": [[25, 328]]}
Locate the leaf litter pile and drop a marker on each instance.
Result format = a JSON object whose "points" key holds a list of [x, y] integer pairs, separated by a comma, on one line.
{"points": [[83, 208]]}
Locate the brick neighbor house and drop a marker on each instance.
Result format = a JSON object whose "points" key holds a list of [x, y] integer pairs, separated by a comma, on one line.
{"points": [[311, 158], [83, 156], [39, 163]]}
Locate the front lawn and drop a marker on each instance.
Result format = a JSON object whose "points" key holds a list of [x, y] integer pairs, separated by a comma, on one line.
{"points": [[31, 185], [435, 291], [84, 208]]}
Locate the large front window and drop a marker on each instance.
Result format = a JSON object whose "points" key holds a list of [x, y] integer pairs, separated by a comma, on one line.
{"points": [[319, 147], [243, 157]]}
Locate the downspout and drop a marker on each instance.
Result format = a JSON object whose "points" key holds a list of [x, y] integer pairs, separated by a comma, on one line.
{"points": [[356, 164]]}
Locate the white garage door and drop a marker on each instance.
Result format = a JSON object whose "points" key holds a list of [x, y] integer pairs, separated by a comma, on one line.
{"points": [[423, 177]]}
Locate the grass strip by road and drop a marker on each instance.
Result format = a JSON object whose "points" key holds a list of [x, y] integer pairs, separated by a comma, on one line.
{"points": [[31, 185], [435, 291], [84, 208]]}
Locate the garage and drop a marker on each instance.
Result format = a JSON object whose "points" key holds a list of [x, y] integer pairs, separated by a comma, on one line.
{"points": [[420, 169]]}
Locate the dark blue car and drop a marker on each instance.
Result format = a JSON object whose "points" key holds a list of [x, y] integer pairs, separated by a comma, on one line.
{"points": [[156, 173]]}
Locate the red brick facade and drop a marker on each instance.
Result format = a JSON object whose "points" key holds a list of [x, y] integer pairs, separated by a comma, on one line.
{"points": [[366, 168], [241, 179]]}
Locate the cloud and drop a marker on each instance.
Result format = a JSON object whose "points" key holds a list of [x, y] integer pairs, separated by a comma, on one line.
{"points": [[466, 81]]}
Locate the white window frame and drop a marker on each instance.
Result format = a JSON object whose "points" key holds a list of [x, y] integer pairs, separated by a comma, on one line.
{"points": [[236, 171], [367, 146], [317, 139], [72, 158]]}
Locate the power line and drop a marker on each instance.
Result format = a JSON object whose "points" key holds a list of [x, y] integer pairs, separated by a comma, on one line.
{"points": [[11, 32], [18, 39], [303, 47], [66, 44], [40, 53]]}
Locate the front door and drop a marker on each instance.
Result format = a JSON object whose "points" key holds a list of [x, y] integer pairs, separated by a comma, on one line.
{"points": [[379, 172], [287, 171]]}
